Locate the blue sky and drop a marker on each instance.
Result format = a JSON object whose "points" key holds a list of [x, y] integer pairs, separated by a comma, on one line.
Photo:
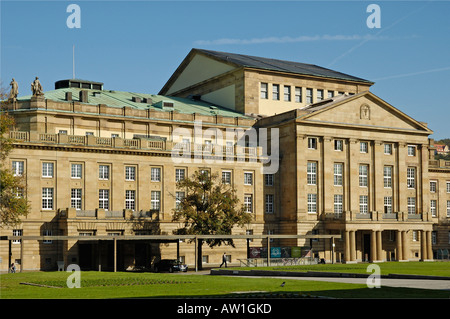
{"points": [[136, 45]]}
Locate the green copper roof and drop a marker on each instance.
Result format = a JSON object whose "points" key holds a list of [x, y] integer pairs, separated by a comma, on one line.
{"points": [[120, 99]]}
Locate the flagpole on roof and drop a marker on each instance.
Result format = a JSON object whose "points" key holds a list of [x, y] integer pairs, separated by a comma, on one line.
{"points": [[73, 62]]}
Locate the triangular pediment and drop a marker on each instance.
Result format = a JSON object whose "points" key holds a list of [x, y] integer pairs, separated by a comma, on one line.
{"points": [[364, 110], [195, 68]]}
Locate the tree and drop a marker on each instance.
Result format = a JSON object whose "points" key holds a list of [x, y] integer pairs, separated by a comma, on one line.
{"points": [[208, 207], [13, 202]]}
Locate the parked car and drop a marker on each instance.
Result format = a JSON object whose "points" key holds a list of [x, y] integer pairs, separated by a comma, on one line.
{"points": [[170, 265]]}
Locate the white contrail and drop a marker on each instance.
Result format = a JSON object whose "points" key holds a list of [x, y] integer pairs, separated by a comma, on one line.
{"points": [[376, 35], [413, 73], [288, 39]]}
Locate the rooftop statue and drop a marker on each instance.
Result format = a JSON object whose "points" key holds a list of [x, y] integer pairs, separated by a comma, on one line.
{"points": [[14, 90], [36, 87]]}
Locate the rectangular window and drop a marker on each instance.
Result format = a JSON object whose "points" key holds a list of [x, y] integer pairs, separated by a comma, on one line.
{"points": [[17, 232], [387, 204], [275, 92], [312, 203], [226, 177], [312, 143], [75, 171], [103, 172], [433, 186], [179, 174], [75, 198], [287, 93], [338, 145], [268, 179], [338, 168], [130, 196], [264, 91], [448, 187], [363, 175], [433, 237], [415, 235], [248, 203], [309, 96], [47, 232], [47, 198], [411, 177], [387, 176], [433, 208], [411, 150], [448, 208], [363, 204], [411, 205], [248, 178], [155, 174], [103, 199], [298, 95], [17, 168], [156, 200], [330, 94], [338, 204], [130, 173], [319, 95], [179, 196], [269, 204], [363, 147], [312, 173], [388, 149], [47, 169]]}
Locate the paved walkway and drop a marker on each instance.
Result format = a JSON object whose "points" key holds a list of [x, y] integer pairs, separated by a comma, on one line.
{"points": [[404, 283], [434, 284]]}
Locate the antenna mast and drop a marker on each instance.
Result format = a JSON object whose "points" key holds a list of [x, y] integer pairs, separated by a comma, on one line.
{"points": [[73, 62]]}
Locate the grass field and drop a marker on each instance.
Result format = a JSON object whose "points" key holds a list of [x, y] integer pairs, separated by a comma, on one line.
{"points": [[409, 268], [104, 285]]}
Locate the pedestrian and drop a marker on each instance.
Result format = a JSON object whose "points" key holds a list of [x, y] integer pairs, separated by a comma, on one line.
{"points": [[224, 260], [13, 268]]}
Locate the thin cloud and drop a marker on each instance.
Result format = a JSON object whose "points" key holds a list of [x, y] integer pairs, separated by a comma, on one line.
{"points": [[413, 73], [288, 39]]}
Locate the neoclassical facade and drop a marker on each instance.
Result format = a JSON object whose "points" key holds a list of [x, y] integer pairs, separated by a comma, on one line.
{"points": [[104, 163]]}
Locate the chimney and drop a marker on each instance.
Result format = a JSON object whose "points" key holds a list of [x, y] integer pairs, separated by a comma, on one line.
{"points": [[83, 96]]}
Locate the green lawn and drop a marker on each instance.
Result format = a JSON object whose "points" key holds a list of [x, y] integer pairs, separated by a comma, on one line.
{"points": [[410, 268], [105, 285]]}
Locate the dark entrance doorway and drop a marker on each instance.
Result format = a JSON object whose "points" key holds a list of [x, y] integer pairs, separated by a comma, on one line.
{"points": [[366, 247], [85, 254]]}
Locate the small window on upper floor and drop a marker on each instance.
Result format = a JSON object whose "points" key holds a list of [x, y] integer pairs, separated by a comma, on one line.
{"points": [[364, 147], [411, 150], [338, 145], [264, 92], [388, 149], [312, 143]]}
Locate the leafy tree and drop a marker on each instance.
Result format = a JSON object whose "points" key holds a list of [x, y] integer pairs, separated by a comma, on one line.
{"points": [[13, 202], [209, 207]]}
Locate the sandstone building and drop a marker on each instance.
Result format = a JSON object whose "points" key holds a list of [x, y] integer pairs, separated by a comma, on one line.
{"points": [[100, 163]]}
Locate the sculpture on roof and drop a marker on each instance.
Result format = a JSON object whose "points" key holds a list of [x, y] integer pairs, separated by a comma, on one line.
{"points": [[14, 90], [36, 87]]}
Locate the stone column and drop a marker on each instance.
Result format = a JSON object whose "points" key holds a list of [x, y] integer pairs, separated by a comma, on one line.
{"points": [[429, 248], [423, 244], [352, 245], [373, 246], [405, 239], [379, 246], [347, 246], [399, 246]]}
